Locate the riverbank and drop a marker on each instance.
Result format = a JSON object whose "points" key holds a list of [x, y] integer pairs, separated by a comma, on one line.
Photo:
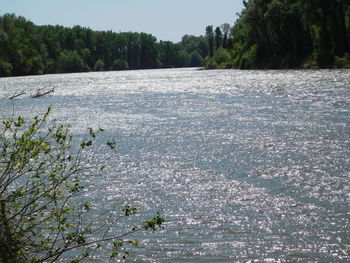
{"points": [[309, 63]]}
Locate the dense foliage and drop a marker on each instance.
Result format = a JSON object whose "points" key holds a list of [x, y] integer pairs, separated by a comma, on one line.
{"points": [[267, 34], [285, 34], [29, 49]]}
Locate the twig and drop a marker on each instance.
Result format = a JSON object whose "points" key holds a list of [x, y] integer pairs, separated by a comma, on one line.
{"points": [[39, 94], [16, 95]]}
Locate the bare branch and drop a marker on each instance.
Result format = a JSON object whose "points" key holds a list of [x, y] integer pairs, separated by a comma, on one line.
{"points": [[40, 93]]}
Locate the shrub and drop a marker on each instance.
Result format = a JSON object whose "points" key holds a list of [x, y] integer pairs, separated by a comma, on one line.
{"points": [[120, 64], [196, 59], [249, 58], [70, 61], [222, 56], [183, 59], [311, 61], [210, 63], [342, 62], [99, 65], [40, 180], [5, 68], [225, 66]]}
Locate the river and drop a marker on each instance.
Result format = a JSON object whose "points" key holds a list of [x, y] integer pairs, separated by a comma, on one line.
{"points": [[245, 166]]}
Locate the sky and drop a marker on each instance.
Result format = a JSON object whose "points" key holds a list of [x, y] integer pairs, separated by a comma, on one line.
{"points": [[165, 19]]}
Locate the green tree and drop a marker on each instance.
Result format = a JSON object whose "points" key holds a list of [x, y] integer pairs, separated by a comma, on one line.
{"points": [[120, 64], [133, 50], [99, 65], [183, 59], [196, 59], [168, 53], [70, 61], [210, 38], [222, 56], [286, 33], [210, 63], [193, 43], [5, 68], [41, 178], [149, 53], [225, 30], [218, 38]]}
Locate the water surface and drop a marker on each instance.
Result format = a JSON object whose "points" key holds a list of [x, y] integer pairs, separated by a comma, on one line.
{"points": [[245, 165]]}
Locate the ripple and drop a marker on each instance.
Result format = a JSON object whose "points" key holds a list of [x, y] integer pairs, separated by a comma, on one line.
{"points": [[248, 166]]}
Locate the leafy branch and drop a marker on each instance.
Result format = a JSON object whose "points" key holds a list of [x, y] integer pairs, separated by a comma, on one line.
{"points": [[41, 216]]}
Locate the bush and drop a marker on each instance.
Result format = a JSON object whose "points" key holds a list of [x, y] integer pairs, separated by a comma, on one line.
{"points": [[99, 65], [222, 56], [70, 61], [40, 180], [342, 62], [249, 58], [225, 66], [210, 63], [120, 64], [196, 59], [183, 59], [311, 62], [5, 68]]}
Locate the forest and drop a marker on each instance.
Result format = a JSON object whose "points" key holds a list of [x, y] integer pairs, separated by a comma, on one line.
{"points": [[28, 49], [281, 34], [268, 34]]}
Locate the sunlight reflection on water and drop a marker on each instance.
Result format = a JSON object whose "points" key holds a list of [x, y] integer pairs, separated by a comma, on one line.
{"points": [[245, 165]]}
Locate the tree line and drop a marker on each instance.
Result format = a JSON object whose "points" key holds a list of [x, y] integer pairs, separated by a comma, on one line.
{"points": [[26, 48], [283, 34], [267, 34]]}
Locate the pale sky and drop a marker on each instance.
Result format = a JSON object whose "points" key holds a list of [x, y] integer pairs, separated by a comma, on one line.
{"points": [[165, 19]]}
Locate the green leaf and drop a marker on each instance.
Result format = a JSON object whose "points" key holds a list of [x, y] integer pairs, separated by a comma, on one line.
{"points": [[86, 144], [117, 244], [152, 224], [91, 133], [129, 210], [81, 240], [134, 242], [111, 144], [87, 206], [114, 254]]}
